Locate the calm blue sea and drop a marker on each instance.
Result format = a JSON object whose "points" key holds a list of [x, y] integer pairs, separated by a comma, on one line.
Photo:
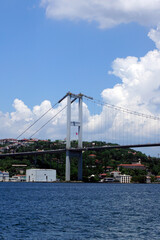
{"points": [[79, 211]]}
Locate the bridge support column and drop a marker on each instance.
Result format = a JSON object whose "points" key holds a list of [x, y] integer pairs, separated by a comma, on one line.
{"points": [[68, 144], [68, 166], [80, 160]]}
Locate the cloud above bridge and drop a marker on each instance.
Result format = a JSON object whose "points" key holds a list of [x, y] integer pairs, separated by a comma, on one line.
{"points": [[106, 13]]}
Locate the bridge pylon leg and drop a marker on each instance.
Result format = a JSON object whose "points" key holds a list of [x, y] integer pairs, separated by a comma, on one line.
{"points": [[67, 178], [68, 138]]}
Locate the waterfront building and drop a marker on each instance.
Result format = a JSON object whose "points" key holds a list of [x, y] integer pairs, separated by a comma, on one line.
{"points": [[18, 178], [1, 176], [148, 179], [115, 173], [4, 176], [124, 178], [109, 180], [40, 175]]}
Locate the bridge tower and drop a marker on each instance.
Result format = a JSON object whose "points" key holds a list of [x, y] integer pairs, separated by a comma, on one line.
{"points": [[70, 99]]}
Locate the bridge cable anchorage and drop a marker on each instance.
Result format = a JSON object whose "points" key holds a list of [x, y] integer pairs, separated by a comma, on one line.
{"points": [[52, 117], [37, 120]]}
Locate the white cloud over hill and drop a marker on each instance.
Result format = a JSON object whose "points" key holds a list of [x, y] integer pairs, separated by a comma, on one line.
{"points": [[107, 13]]}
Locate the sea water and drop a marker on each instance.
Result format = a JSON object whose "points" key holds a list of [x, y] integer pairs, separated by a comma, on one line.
{"points": [[48, 211]]}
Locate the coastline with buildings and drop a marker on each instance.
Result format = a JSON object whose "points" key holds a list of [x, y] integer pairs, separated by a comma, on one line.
{"points": [[49, 175], [107, 166]]}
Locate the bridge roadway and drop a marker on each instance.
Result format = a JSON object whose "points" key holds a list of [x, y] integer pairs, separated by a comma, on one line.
{"points": [[79, 149]]}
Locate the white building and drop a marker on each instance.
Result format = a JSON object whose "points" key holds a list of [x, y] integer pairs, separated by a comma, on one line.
{"points": [[40, 175], [115, 174], [18, 178], [124, 178], [4, 176], [1, 176]]}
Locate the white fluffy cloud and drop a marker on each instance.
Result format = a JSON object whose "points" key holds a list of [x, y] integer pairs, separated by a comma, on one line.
{"points": [[22, 112], [140, 87], [14, 123], [154, 34], [107, 13]]}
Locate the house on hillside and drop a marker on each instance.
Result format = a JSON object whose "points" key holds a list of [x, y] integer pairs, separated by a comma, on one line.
{"points": [[102, 175], [92, 155], [133, 166]]}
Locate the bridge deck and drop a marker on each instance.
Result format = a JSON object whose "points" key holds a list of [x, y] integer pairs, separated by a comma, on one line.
{"points": [[79, 149]]}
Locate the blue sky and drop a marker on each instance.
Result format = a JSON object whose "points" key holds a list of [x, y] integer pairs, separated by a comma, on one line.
{"points": [[106, 50], [43, 58]]}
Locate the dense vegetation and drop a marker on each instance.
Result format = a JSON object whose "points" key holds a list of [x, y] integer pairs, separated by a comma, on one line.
{"points": [[94, 162]]}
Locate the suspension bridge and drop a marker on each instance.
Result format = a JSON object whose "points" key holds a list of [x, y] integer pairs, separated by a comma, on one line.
{"points": [[112, 124]]}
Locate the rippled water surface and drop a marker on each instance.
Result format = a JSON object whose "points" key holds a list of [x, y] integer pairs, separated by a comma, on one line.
{"points": [[79, 211]]}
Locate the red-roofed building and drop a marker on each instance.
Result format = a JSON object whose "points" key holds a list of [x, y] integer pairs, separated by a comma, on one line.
{"points": [[109, 167], [97, 161], [102, 175], [18, 178], [158, 178], [8, 140], [24, 140], [133, 166], [92, 155]]}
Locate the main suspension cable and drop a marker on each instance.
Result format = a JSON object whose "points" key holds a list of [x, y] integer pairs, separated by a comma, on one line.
{"points": [[37, 120], [52, 117], [118, 108], [48, 122]]}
